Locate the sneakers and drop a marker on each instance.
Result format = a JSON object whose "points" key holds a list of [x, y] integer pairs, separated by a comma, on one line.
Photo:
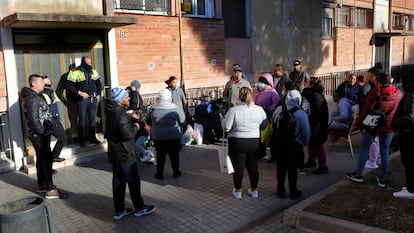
{"points": [[123, 213], [253, 194], [237, 195], [300, 172], [320, 170], [371, 164], [52, 194], [58, 160], [404, 193], [309, 164], [145, 210], [354, 177], [380, 183]]}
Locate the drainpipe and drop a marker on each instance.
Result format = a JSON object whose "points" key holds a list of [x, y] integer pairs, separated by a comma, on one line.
{"points": [[180, 28]]}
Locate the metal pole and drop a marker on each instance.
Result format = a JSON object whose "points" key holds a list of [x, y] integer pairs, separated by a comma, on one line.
{"points": [[181, 46]]}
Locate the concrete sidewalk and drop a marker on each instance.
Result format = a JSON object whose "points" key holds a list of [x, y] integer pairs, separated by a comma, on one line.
{"points": [[199, 201]]}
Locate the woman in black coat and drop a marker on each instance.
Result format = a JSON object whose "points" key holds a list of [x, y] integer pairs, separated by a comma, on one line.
{"points": [[403, 123], [318, 120]]}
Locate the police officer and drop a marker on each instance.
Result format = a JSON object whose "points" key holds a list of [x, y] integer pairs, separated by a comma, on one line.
{"points": [[83, 82], [57, 128]]}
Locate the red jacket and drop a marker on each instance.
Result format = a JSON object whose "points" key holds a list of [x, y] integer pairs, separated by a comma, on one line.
{"points": [[391, 97]]}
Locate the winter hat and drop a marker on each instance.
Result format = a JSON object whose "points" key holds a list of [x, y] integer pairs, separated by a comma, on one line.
{"points": [[118, 94], [136, 84], [164, 94]]}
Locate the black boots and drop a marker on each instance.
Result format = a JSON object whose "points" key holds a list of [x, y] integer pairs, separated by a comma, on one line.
{"points": [[92, 136]]}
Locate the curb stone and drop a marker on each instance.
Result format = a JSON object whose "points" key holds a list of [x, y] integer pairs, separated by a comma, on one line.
{"points": [[297, 217]]}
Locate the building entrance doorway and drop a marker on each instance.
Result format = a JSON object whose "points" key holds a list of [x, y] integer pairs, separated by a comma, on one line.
{"points": [[53, 53]]}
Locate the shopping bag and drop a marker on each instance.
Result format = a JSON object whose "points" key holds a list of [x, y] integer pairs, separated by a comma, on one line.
{"points": [[266, 134], [198, 133], [187, 136], [225, 163]]}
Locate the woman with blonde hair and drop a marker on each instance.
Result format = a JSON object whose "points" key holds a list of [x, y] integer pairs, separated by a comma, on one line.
{"points": [[243, 123]]}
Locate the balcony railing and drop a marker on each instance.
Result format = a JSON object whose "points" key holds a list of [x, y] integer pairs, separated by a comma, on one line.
{"points": [[142, 5]]}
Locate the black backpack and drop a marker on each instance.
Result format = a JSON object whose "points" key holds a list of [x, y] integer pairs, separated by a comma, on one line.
{"points": [[284, 128]]}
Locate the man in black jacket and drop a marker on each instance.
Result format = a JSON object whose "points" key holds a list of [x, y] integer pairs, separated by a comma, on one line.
{"points": [[39, 125], [298, 76], [121, 154]]}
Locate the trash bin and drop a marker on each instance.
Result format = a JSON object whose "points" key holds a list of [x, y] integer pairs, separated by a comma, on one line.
{"points": [[27, 214]]}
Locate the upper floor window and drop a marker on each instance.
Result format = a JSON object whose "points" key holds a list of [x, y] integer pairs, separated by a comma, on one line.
{"points": [[364, 18], [327, 23], [397, 21], [410, 23], [199, 8], [142, 6], [236, 23], [343, 17]]}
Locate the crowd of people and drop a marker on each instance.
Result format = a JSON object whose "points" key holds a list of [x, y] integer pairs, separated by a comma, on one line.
{"points": [[293, 106]]}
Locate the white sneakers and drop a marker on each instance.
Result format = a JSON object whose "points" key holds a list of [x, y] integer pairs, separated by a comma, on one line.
{"points": [[371, 164], [404, 194], [238, 195], [253, 194]]}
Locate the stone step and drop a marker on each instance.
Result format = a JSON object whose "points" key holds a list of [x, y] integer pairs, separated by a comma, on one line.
{"points": [[73, 154]]}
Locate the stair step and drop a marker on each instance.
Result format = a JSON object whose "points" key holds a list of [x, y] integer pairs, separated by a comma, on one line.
{"points": [[74, 154]]}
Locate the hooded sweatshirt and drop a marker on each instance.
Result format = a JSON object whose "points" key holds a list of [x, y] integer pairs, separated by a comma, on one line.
{"points": [[302, 130], [267, 98]]}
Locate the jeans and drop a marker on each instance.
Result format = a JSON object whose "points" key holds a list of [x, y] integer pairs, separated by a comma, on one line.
{"points": [[44, 161], [87, 112], [384, 141]]}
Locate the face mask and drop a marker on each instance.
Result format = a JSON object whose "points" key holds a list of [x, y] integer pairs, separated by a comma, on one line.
{"points": [[48, 86], [261, 86]]}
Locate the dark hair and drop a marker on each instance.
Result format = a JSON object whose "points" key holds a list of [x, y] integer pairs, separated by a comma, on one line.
{"points": [[280, 66], [408, 83], [33, 77], [245, 95], [170, 79], [315, 81], [376, 68], [383, 80], [263, 80], [290, 85], [362, 78]]}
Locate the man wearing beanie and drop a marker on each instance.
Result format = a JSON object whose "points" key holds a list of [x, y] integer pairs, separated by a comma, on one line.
{"points": [[120, 133], [135, 99]]}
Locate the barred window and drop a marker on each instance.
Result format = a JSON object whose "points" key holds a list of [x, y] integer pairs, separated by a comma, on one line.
{"points": [[397, 21], [141, 6], [327, 22], [343, 17], [364, 18]]}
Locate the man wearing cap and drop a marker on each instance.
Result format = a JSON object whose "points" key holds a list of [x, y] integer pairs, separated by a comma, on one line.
{"points": [[135, 99], [232, 87], [298, 76], [120, 132]]}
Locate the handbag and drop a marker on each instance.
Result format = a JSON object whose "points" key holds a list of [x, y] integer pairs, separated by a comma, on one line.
{"points": [[225, 163], [374, 119], [266, 133]]}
